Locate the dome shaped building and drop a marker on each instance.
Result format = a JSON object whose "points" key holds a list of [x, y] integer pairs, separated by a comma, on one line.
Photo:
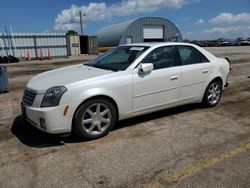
{"points": [[147, 29]]}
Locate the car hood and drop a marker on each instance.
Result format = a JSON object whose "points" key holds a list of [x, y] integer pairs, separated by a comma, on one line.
{"points": [[64, 76]]}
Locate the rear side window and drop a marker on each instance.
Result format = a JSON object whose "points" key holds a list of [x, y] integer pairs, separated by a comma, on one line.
{"points": [[163, 57], [189, 55]]}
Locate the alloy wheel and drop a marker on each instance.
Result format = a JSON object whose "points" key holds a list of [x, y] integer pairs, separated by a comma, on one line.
{"points": [[214, 93], [96, 118]]}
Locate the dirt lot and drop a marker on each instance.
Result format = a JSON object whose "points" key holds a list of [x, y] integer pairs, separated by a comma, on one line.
{"points": [[187, 146]]}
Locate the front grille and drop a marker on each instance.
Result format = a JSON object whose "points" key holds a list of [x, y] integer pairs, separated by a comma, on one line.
{"points": [[29, 96]]}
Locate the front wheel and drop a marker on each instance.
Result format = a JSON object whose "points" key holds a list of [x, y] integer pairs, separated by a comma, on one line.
{"points": [[94, 119], [212, 94]]}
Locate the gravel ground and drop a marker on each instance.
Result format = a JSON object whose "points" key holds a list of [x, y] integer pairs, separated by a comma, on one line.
{"points": [[187, 146]]}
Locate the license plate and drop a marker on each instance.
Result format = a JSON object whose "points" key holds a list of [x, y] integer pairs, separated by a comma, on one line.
{"points": [[23, 110]]}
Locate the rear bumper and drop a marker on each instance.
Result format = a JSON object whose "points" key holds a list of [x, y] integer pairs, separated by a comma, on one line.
{"points": [[230, 68]]}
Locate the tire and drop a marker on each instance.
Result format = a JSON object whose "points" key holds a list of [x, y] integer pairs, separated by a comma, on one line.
{"points": [[94, 119], [11, 59], [16, 60], [212, 94], [5, 59], [1, 59]]}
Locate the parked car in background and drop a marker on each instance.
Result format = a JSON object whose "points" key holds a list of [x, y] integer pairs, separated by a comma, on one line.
{"points": [[127, 81], [241, 42], [224, 42], [248, 40]]}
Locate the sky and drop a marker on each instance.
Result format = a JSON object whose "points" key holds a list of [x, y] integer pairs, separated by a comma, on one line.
{"points": [[196, 19]]}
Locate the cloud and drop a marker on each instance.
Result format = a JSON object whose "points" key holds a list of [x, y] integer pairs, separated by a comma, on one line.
{"points": [[69, 18], [230, 18], [199, 22], [231, 32]]}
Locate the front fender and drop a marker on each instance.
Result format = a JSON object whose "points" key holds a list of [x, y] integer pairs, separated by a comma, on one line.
{"points": [[117, 86]]}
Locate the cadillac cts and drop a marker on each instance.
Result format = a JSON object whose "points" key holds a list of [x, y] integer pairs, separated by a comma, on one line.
{"points": [[127, 81]]}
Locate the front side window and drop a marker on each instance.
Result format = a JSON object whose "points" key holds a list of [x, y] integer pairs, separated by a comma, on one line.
{"points": [[162, 57], [119, 58], [190, 55]]}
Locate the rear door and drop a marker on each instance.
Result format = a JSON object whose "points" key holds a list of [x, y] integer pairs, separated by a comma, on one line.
{"points": [[195, 71]]}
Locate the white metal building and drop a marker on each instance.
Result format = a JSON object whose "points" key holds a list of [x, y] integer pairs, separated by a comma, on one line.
{"points": [[147, 29]]}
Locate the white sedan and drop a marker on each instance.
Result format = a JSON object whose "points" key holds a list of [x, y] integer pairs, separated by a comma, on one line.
{"points": [[127, 81]]}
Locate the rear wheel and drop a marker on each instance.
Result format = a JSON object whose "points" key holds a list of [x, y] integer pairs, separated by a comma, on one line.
{"points": [[213, 94], [94, 119]]}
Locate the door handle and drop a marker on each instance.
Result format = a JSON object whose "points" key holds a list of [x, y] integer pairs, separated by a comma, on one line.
{"points": [[205, 71], [174, 78]]}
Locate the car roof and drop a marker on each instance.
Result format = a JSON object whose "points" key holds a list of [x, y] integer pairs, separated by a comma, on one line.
{"points": [[152, 46], [158, 44]]}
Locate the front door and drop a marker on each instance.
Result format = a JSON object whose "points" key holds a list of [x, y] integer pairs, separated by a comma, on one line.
{"points": [[160, 87]]}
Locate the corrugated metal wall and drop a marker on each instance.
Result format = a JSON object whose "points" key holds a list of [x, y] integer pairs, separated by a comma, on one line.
{"points": [[92, 45], [17, 44], [73, 42], [111, 35]]}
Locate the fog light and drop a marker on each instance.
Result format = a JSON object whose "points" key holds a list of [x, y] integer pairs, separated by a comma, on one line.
{"points": [[42, 123]]}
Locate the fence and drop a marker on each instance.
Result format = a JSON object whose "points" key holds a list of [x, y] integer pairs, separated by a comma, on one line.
{"points": [[20, 44]]}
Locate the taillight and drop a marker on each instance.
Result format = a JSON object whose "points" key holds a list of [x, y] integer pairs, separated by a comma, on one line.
{"points": [[230, 65]]}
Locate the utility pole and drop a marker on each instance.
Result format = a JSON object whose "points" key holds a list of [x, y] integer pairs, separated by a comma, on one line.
{"points": [[80, 12]]}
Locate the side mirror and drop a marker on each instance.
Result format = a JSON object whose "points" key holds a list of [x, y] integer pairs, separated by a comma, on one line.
{"points": [[146, 67]]}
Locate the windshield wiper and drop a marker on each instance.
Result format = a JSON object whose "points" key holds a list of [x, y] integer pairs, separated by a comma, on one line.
{"points": [[87, 64], [105, 67]]}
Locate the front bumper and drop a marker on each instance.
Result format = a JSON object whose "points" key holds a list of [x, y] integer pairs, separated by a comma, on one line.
{"points": [[51, 120]]}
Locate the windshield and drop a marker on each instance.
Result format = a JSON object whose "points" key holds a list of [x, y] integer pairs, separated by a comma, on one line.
{"points": [[119, 58]]}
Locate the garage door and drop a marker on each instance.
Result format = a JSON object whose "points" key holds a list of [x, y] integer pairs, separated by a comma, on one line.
{"points": [[153, 32]]}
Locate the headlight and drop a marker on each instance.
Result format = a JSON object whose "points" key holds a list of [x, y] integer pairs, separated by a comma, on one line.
{"points": [[52, 96]]}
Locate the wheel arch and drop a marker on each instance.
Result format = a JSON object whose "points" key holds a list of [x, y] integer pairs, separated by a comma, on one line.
{"points": [[110, 99], [218, 78]]}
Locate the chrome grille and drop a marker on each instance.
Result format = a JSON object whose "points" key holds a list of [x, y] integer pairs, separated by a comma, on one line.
{"points": [[29, 96]]}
